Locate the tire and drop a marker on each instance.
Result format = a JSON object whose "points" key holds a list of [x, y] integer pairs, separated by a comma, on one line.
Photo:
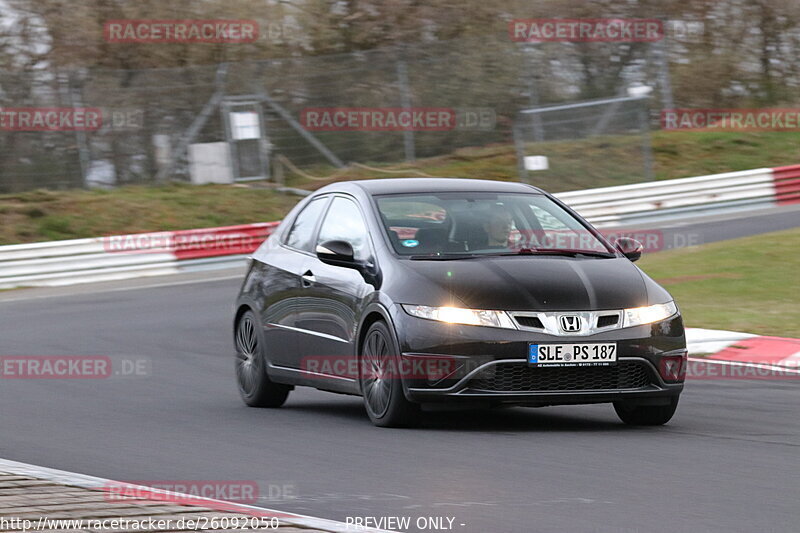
{"points": [[384, 399], [255, 387], [646, 415]]}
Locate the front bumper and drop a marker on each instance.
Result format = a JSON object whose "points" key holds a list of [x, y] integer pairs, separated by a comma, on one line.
{"points": [[489, 365]]}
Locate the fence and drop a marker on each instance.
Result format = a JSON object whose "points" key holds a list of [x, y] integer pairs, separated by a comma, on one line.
{"points": [[151, 116], [606, 138]]}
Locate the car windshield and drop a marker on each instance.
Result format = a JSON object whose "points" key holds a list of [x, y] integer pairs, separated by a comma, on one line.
{"points": [[457, 224]]}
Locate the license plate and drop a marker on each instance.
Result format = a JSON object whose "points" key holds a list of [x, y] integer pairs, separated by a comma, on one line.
{"points": [[572, 354]]}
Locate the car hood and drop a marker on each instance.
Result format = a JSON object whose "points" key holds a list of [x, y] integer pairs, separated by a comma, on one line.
{"points": [[534, 283]]}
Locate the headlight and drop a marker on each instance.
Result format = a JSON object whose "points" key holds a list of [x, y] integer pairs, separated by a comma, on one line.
{"points": [[456, 315], [647, 315]]}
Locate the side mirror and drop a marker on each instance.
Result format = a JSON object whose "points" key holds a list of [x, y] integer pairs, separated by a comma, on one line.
{"points": [[338, 253], [630, 248]]}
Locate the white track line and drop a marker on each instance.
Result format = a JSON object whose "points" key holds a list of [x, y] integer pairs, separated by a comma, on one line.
{"points": [[95, 483]]}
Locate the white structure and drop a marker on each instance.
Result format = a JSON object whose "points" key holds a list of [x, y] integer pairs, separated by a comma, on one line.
{"points": [[210, 163], [536, 162]]}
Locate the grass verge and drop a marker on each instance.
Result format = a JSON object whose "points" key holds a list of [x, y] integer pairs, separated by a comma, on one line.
{"points": [[606, 161], [594, 162], [54, 215], [749, 285]]}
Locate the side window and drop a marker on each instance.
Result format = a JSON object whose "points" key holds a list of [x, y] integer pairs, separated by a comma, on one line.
{"points": [[302, 232], [344, 223]]}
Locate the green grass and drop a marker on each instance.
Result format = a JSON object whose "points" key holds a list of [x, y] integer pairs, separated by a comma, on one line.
{"points": [[606, 161], [53, 215], [596, 162], [748, 284]]}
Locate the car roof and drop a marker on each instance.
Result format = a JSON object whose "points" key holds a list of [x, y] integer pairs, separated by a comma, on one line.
{"points": [[424, 185]]}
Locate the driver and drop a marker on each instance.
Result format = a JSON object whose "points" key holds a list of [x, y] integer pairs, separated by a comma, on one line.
{"points": [[498, 229]]}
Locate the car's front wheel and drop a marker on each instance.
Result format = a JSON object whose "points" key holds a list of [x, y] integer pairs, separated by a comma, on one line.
{"points": [[381, 384], [255, 387], [646, 415]]}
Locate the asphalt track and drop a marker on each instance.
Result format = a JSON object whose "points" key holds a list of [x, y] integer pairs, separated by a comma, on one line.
{"points": [[727, 462]]}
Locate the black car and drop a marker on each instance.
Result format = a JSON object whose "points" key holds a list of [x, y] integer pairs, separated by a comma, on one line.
{"points": [[418, 291]]}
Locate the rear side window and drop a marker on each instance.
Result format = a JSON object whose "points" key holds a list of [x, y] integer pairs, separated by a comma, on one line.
{"points": [[302, 233], [344, 223]]}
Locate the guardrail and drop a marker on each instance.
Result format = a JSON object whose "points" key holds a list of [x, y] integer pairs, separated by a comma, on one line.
{"points": [[151, 254], [652, 201], [787, 184], [126, 256]]}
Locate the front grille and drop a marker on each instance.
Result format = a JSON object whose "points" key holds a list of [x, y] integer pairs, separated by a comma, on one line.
{"points": [[605, 321], [529, 322], [520, 377]]}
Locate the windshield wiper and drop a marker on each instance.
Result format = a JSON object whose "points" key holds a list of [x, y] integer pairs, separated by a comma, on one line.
{"points": [[557, 251], [524, 251], [572, 252], [444, 257]]}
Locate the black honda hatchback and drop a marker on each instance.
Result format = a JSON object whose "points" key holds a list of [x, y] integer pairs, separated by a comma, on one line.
{"points": [[417, 291]]}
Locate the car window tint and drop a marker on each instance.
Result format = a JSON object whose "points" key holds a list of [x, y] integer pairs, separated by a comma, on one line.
{"points": [[344, 223], [302, 232]]}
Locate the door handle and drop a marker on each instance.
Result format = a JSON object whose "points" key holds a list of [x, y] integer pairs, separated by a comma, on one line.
{"points": [[308, 278]]}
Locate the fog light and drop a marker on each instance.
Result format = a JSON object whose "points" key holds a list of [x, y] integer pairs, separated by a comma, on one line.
{"points": [[673, 367], [431, 368], [441, 368]]}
